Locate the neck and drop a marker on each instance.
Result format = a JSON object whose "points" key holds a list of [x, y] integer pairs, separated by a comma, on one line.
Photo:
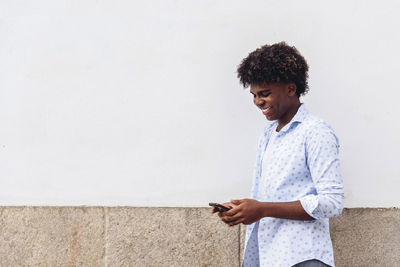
{"points": [[292, 110]]}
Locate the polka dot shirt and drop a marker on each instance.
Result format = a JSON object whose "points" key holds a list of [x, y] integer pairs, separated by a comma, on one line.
{"points": [[302, 163]]}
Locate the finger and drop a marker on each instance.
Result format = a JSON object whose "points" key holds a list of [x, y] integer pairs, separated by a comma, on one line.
{"points": [[236, 202], [232, 211], [229, 219], [227, 204], [238, 221]]}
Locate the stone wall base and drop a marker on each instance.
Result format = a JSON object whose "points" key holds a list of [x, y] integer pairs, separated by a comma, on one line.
{"points": [[131, 236]]}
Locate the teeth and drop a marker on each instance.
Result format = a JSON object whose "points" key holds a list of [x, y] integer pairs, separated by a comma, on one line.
{"points": [[264, 110]]}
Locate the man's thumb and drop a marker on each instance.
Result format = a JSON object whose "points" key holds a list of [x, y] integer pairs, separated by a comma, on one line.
{"points": [[235, 202]]}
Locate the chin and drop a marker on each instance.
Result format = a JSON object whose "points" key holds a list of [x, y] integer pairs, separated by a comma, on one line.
{"points": [[269, 118]]}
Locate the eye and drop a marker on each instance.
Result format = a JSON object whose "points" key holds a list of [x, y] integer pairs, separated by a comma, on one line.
{"points": [[265, 94]]}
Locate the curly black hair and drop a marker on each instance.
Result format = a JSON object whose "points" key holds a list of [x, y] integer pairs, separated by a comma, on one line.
{"points": [[275, 63]]}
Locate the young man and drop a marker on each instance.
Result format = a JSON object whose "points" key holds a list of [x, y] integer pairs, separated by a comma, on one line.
{"points": [[297, 184]]}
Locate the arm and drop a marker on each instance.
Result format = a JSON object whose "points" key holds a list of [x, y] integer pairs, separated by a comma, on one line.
{"points": [[323, 162], [322, 148], [249, 211]]}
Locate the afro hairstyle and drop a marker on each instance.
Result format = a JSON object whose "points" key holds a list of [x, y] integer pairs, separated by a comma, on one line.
{"points": [[274, 63]]}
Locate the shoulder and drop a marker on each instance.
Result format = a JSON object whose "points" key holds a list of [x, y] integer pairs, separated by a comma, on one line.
{"points": [[318, 130]]}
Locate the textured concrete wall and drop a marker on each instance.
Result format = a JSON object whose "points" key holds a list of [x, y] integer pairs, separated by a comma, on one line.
{"points": [[125, 236]]}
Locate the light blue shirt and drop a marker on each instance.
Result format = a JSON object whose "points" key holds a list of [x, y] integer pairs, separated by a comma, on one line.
{"points": [[303, 165]]}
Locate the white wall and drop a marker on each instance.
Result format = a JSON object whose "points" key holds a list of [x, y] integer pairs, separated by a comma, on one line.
{"points": [[137, 102]]}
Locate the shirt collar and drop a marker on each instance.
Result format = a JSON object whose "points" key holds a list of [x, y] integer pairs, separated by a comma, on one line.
{"points": [[299, 117]]}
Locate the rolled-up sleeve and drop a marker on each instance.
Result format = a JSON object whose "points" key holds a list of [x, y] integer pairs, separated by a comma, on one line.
{"points": [[322, 152]]}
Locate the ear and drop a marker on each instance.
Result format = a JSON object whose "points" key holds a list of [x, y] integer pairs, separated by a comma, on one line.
{"points": [[291, 89]]}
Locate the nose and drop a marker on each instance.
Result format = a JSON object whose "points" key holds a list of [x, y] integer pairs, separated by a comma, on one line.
{"points": [[258, 101]]}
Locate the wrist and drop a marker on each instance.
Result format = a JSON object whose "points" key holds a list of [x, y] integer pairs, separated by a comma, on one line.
{"points": [[263, 209]]}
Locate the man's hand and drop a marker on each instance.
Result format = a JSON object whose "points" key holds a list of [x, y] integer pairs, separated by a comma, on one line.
{"points": [[244, 211], [226, 204], [248, 211]]}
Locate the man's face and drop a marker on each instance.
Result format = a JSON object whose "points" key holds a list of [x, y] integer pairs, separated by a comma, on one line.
{"points": [[273, 99]]}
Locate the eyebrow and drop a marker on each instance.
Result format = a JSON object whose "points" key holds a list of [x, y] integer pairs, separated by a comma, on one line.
{"points": [[262, 91]]}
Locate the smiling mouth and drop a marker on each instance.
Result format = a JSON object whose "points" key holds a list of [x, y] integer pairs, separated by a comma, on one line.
{"points": [[264, 111]]}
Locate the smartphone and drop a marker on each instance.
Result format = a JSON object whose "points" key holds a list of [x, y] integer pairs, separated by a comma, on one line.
{"points": [[218, 207]]}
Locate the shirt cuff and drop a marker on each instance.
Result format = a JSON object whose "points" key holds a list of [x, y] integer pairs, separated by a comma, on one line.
{"points": [[310, 204]]}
